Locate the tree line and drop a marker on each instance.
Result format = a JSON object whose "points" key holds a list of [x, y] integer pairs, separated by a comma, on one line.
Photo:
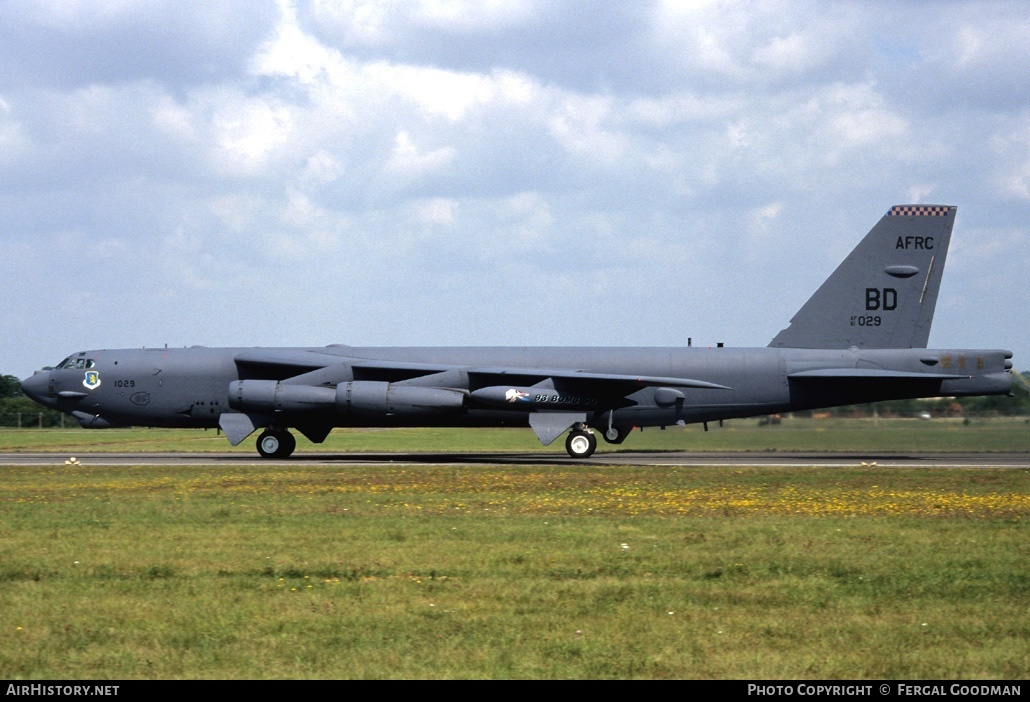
{"points": [[17, 410]]}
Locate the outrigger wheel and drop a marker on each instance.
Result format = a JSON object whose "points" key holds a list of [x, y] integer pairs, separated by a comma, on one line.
{"points": [[616, 434], [276, 443], [581, 443]]}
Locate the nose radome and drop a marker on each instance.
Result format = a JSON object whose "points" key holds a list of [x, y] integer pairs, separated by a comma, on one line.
{"points": [[35, 386]]}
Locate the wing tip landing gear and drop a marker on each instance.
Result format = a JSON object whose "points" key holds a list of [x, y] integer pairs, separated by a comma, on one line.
{"points": [[616, 434], [276, 443]]}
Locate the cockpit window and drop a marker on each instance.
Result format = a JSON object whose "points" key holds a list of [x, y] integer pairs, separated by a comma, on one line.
{"points": [[70, 363]]}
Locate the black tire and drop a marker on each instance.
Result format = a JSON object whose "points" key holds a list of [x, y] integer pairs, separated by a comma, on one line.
{"points": [[276, 443], [289, 444], [581, 444]]}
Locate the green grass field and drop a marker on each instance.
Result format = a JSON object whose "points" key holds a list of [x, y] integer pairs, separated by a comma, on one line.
{"points": [[514, 572], [1001, 434]]}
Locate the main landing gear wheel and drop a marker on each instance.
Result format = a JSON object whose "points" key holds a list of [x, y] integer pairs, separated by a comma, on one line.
{"points": [[276, 443], [581, 444]]}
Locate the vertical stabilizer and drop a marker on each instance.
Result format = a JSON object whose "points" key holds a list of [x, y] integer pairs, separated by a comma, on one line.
{"points": [[884, 293]]}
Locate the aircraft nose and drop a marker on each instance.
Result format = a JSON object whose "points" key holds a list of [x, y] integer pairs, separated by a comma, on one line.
{"points": [[35, 386]]}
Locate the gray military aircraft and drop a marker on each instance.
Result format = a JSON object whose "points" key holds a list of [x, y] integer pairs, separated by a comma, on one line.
{"points": [[860, 338]]}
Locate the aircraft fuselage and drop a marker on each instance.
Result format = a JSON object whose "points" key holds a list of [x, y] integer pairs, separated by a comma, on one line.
{"points": [[191, 387]]}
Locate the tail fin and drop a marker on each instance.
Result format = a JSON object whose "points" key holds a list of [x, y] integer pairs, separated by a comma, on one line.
{"points": [[884, 293]]}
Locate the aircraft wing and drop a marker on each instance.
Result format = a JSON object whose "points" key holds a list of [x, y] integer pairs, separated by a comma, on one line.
{"points": [[396, 371], [583, 391], [870, 374], [284, 362], [566, 394], [581, 382], [290, 363]]}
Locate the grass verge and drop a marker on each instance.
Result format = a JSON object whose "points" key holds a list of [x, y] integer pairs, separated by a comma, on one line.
{"points": [[1000, 434], [498, 572]]}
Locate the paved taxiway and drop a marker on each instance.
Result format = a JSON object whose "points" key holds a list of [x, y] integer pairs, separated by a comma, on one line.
{"points": [[663, 458]]}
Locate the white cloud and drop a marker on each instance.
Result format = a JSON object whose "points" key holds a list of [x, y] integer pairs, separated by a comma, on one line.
{"points": [[175, 120], [294, 54], [472, 15], [249, 132], [322, 167], [235, 213], [764, 216], [437, 92], [681, 107], [792, 53], [300, 211], [1012, 151], [860, 118], [756, 43], [919, 194], [585, 127], [379, 22], [13, 141], [381, 150], [78, 14], [407, 162], [438, 211]]}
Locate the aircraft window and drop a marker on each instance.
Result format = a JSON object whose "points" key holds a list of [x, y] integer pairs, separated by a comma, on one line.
{"points": [[66, 363], [90, 363], [80, 363]]}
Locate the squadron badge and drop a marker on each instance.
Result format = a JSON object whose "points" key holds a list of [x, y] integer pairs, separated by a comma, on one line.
{"points": [[514, 395], [92, 380]]}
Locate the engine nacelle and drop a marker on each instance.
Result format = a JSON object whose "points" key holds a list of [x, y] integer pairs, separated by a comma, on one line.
{"points": [[359, 398], [272, 396], [373, 398]]}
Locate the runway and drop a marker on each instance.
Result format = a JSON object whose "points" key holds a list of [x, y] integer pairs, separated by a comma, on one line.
{"points": [[631, 458]]}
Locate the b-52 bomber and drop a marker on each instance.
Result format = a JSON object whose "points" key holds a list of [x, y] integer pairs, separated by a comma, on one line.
{"points": [[860, 338]]}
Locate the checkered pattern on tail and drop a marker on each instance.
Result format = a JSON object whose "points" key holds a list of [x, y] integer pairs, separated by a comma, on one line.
{"points": [[919, 210]]}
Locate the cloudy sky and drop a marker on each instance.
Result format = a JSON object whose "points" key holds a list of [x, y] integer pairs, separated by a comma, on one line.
{"points": [[555, 172]]}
